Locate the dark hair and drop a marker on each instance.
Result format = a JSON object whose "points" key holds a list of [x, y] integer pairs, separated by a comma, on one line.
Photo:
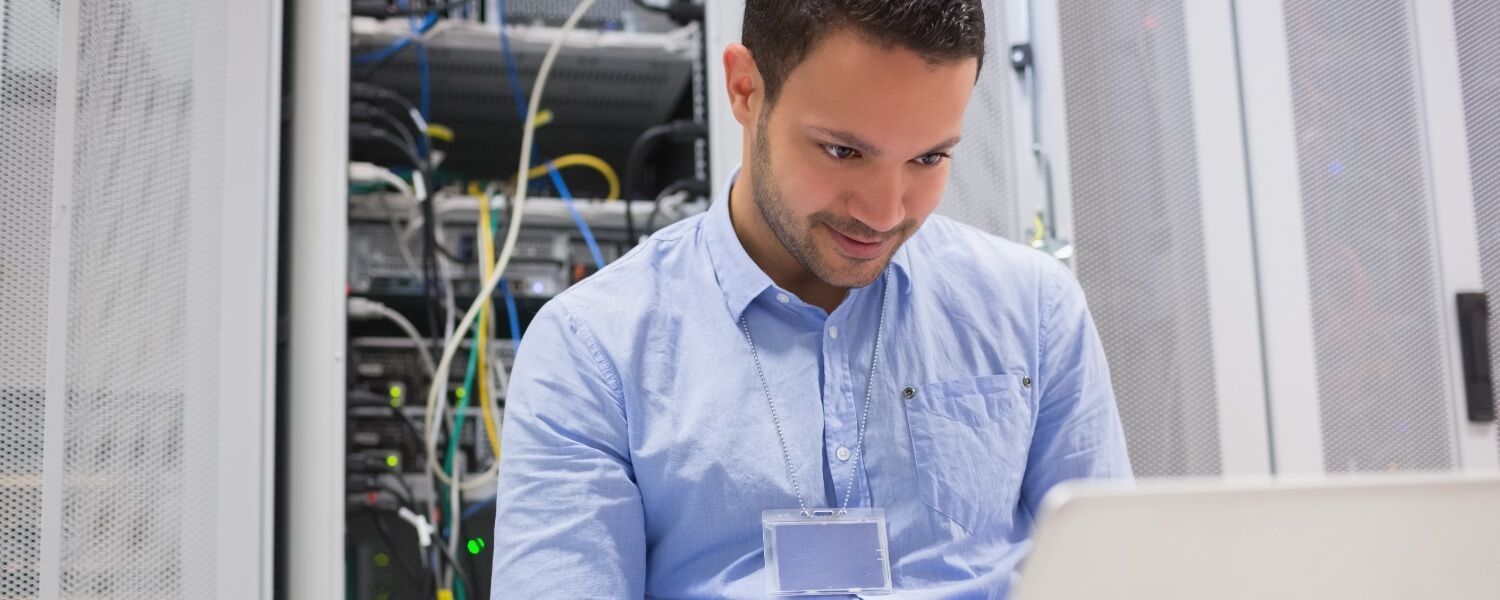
{"points": [[780, 33]]}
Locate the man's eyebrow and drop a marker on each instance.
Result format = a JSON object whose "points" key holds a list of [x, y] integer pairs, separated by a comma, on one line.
{"points": [[848, 139], [945, 146]]}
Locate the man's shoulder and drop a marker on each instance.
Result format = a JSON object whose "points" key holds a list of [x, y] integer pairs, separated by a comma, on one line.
{"points": [[958, 256], [637, 283]]}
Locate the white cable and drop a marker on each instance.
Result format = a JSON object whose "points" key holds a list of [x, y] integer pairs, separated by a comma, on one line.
{"points": [[402, 245], [365, 308], [364, 172], [419, 523], [518, 204]]}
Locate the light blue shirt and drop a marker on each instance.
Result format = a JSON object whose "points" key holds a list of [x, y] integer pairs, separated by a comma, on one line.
{"points": [[639, 451]]}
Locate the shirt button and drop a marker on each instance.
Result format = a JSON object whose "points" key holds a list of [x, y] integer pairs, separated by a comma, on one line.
{"points": [[833, 332], [782, 298], [842, 453], [909, 393]]}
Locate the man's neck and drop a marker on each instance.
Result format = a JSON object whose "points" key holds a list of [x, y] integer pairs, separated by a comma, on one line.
{"points": [[772, 257]]}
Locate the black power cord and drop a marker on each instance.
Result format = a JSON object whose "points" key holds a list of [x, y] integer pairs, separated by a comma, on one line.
{"points": [[365, 111], [681, 11], [374, 93], [643, 150], [389, 539]]}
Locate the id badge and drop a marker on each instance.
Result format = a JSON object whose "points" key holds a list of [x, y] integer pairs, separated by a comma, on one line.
{"points": [[826, 553]]}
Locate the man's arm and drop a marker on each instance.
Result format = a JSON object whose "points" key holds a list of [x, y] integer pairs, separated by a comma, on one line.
{"points": [[1078, 433], [568, 518]]}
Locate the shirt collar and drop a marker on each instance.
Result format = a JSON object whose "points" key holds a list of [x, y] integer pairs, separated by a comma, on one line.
{"points": [[740, 279]]}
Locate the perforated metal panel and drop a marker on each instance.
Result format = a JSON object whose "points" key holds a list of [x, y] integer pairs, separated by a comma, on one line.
{"points": [[1372, 265], [1476, 22], [605, 14], [139, 504], [1138, 225], [980, 187], [604, 96], [28, 104]]}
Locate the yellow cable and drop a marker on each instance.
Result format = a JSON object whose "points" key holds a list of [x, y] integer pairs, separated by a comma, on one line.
{"points": [[487, 253], [440, 132], [583, 160]]}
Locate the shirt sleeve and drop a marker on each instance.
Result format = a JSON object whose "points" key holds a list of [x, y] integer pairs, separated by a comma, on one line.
{"points": [[1078, 433], [568, 516]]}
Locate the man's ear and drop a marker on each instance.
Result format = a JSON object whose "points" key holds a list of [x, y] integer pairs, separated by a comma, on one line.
{"points": [[743, 82]]}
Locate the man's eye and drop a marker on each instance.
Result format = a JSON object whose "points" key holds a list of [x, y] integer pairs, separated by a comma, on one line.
{"points": [[839, 152], [931, 160]]}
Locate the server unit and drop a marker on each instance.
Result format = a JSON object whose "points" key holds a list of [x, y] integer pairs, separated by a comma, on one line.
{"points": [[385, 253]]}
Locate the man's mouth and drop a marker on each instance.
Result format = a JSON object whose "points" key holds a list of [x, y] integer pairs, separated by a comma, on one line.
{"points": [[856, 247]]}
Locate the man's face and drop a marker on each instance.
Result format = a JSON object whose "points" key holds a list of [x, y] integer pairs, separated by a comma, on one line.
{"points": [[854, 154]]}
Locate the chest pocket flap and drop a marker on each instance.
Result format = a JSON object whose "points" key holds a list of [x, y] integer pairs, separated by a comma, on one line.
{"points": [[970, 439]]}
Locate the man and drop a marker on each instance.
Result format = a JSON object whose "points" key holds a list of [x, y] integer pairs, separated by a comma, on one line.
{"points": [[815, 340]]}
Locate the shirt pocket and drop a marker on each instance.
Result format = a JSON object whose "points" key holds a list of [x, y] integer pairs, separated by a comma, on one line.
{"points": [[970, 439]]}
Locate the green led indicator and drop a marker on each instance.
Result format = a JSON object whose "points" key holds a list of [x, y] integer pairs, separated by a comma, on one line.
{"points": [[459, 393], [382, 560], [476, 546], [396, 393], [392, 460]]}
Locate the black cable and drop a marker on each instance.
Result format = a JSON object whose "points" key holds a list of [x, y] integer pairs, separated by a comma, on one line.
{"points": [[384, 10], [366, 111], [458, 569], [681, 11], [361, 89], [368, 131], [642, 151], [385, 535], [370, 91], [437, 542]]}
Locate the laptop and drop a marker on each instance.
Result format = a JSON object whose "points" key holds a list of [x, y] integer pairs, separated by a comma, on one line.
{"points": [[1366, 538]]}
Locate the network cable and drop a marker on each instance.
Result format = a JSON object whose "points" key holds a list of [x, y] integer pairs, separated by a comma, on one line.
{"points": [[583, 226], [379, 56], [528, 140]]}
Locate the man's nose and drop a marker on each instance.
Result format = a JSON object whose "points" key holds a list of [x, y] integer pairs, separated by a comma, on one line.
{"points": [[879, 204]]}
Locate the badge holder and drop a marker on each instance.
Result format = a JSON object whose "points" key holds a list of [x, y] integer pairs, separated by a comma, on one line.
{"points": [[826, 552]]}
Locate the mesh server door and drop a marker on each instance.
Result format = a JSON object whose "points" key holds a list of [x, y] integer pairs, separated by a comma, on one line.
{"points": [[1151, 190], [28, 104], [1476, 22], [1359, 242], [136, 294], [982, 187]]}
